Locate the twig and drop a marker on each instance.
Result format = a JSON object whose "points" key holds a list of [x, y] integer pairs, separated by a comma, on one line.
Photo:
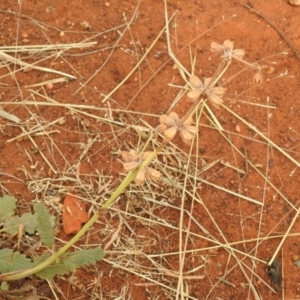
{"points": [[39, 150], [246, 164], [284, 238], [276, 28], [226, 282], [8, 116], [230, 192], [24, 65]]}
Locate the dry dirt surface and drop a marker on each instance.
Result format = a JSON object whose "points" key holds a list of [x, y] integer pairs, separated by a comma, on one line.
{"points": [[84, 81]]}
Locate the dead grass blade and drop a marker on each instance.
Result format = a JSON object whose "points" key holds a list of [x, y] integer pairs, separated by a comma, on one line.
{"points": [[24, 65]]}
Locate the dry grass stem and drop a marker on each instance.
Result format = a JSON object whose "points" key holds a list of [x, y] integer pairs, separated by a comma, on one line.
{"points": [[24, 65]]}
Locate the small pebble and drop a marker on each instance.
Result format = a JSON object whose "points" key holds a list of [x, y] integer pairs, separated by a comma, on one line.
{"points": [[61, 33], [295, 257], [25, 40], [271, 163], [49, 86], [107, 4], [24, 35], [292, 139], [86, 25], [62, 121], [85, 123], [49, 9]]}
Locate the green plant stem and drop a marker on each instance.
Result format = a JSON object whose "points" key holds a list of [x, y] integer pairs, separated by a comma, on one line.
{"points": [[25, 273], [129, 178], [284, 238], [126, 181]]}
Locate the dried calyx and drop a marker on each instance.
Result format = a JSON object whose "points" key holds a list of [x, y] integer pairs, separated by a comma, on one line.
{"points": [[132, 160], [213, 93], [226, 50], [171, 124]]}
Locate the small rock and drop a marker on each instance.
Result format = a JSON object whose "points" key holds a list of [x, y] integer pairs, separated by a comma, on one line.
{"points": [[158, 54], [49, 86], [25, 40], [62, 33], [292, 139], [238, 128], [271, 163], [24, 35], [49, 9], [295, 257], [86, 25], [62, 121], [107, 4]]}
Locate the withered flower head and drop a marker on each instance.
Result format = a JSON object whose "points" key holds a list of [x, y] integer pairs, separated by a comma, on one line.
{"points": [[258, 76], [226, 50], [133, 159], [170, 125], [214, 94]]}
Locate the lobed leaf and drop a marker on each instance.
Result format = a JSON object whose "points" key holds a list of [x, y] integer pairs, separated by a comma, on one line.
{"points": [[11, 225], [28, 220], [11, 261], [70, 262], [44, 225], [7, 207], [81, 258], [52, 270]]}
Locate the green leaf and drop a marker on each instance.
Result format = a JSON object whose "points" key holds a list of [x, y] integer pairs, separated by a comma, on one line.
{"points": [[52, 270], [13, 261], [81, 258], [41, 258], [29, 222], [4, 286], [297, 263], [12, 224], [69, 263], [44, 225], [7, 207]]}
